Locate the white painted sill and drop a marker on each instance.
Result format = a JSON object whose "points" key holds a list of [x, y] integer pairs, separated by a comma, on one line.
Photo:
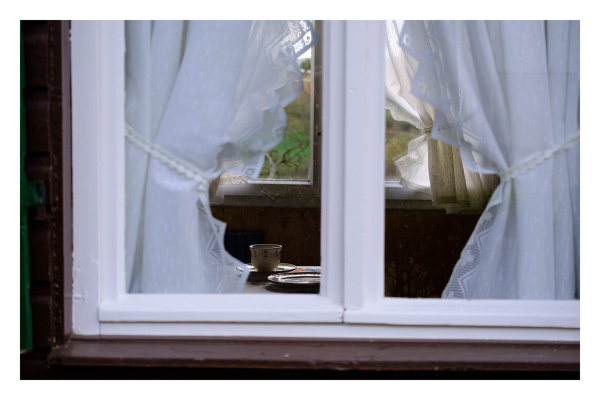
{"points": [[483, 313], [221, 308], [317, 309]]}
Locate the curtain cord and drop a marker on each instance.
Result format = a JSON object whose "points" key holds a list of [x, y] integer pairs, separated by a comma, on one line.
{"points": [[530, 164], [168, 159]]}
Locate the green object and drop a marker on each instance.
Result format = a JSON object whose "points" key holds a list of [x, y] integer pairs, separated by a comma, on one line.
{"points": [[28, 193]]}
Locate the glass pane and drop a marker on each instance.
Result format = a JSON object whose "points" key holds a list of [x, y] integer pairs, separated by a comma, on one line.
{"points": [[198, 194], [489, 129], [290, 159], [423, 240]]}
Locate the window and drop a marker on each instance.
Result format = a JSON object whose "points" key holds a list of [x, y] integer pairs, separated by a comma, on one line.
{"points": [[291, 173], [351, 302]]}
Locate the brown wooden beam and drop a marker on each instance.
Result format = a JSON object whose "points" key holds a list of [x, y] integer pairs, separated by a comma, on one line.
{"points": [[340, 354]]}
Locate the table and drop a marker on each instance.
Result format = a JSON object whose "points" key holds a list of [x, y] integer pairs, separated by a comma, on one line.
{"points": [[261, 285]]}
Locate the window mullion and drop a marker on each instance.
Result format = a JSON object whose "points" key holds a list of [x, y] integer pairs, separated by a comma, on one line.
{"points": [[332, 161], [364, 144]]}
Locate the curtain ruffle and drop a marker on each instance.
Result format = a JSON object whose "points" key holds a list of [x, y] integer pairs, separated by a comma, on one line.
{"points": [[271, 79], [429, 165]]}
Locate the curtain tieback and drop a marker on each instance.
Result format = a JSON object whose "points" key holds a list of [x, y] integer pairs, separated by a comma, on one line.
{"points": [[530, 164], [168, 159]]}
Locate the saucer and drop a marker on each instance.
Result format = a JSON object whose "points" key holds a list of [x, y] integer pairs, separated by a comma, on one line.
{"points": [[306, 278], [282, 267]]}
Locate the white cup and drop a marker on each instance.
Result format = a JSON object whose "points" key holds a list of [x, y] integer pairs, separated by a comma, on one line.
{"points": [[265, 257]]}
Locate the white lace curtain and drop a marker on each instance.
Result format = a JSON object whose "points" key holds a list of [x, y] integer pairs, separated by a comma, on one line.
{"points": [[202, 98], [506, 93], [429, 166]]}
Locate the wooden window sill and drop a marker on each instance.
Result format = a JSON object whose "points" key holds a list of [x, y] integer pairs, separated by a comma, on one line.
{"points": [[345, 354]]}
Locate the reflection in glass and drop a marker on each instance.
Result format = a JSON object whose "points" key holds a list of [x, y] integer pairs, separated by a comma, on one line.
{"points": [[290, 159], [397, 136]]}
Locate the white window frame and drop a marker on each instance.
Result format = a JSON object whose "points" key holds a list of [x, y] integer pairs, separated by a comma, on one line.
{"points": [[351, 302]]}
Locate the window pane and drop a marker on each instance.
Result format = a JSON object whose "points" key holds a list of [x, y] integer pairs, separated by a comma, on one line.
{"points": [[498, 155], [290, 159], [199, 123], [424, 239]]}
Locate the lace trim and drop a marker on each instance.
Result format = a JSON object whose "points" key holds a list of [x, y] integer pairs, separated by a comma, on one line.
{"points": [[168, 159], [412, 157], [419, 40], [470, 258], [520, 169], [414, 186]]}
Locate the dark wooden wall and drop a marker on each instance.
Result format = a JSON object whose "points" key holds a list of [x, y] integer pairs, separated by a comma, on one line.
{"points": [[48, 132], [421, 249], [298, 230]]}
